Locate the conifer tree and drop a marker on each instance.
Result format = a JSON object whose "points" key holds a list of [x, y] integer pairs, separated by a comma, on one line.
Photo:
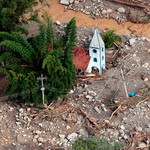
{"points": [[68, 42]]}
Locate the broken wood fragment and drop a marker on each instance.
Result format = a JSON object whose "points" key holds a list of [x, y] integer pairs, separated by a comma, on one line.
{"points": [[115, 112], [129, 4], [128, 72], [90, 119], [115, 53], [33, 115], [86, 76], [141, 102], [95, 79]]}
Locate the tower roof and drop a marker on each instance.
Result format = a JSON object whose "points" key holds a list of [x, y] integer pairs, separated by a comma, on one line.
{"points": [[96, 41]]}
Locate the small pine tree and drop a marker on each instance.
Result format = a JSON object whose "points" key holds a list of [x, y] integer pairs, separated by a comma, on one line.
{"points": [[68, 41]]}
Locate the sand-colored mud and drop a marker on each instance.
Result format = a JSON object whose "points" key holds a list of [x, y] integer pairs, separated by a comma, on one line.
{"points": [[57, 12]]}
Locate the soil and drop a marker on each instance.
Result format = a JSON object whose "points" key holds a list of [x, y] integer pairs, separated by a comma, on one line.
{"points": [[28, 127]]}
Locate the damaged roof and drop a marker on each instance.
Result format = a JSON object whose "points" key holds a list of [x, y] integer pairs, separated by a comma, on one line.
{"points": [[81, 58]]}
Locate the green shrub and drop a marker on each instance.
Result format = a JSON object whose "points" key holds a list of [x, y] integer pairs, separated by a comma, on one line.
{"points": [[110, 37], [95, 143]]}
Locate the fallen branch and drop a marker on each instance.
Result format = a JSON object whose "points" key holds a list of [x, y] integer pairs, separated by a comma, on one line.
{"points": [[115, 53], [95, 79], [143, 146], [129, 4], [115, 112], [141, 102], [124, 84], [86, 76], [90, 119], [128, 72]]}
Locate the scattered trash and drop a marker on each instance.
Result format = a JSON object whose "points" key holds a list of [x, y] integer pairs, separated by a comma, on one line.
{"points": [[132, 94]]}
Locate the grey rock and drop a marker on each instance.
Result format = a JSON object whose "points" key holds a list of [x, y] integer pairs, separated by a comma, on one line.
{"points": [[104, 12], [71, 1], [58, 22], [72, 136], [125, 137], [97, 109], [21, 110], [122, 127], [139, 129], [65, 2], [62, 136], [142, 144], [121, 10], [132, 41], [103, 107], [67, 127], [49, 5], [109, 10]]}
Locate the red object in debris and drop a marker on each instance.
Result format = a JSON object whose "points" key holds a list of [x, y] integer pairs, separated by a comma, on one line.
{"points": [[81, 58]]}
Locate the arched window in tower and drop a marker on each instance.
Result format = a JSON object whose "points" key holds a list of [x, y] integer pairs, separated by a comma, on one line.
{"points": [[94, 51], [102, 49], [95, 59], [102, 57]]}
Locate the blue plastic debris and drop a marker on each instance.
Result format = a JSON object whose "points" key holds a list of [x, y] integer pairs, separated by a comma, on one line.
{"points": [[132, 94]]}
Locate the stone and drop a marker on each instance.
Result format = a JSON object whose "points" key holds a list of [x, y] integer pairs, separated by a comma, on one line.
{"points": [[62, 136], [89, 97], [36, 136], [145, 65], [41, 140], [109, 10], [11, 108], [122, 127], [139, 129], [28, 109], [104, 12], [103, 107], [49, 5], [146, 79], [65, 2], [67, 127], [21, 110], [71, 92], [132, 41], [72, 136], [125, 137], [121, 10], [97, 109], [58, 22], [71, 1], [142, 144]]}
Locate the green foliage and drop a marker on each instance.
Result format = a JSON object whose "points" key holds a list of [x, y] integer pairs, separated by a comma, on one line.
{"points": [[26, 59], [110, 37], [95, 143], [12, 14]]}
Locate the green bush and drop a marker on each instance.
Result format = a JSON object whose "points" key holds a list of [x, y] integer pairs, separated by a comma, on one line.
{"points": [[110, 37], [47, 53], [95, 143]]}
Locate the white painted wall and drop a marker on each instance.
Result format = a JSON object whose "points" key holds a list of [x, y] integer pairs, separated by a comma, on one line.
{"points": [[97, 44]]}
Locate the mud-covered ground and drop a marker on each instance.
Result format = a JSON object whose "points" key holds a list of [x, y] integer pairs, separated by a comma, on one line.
{"points": [[90, 104]]}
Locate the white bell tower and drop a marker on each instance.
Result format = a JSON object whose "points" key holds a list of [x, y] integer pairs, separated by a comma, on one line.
{"points": [[97, 52]]}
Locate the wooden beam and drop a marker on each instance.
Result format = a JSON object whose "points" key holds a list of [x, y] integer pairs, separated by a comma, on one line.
{"points": [[129, 4]]}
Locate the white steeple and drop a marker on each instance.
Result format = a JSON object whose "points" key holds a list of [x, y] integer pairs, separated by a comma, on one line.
{"points": [[97, 52]]}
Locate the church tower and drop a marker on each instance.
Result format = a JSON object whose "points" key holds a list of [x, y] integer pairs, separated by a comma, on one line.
{"points": [[97, 52]]}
